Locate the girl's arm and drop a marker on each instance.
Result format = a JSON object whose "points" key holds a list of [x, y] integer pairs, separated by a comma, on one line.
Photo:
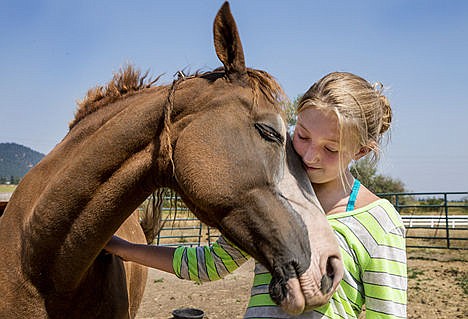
{"points": [[158, 257], [205, 263]]}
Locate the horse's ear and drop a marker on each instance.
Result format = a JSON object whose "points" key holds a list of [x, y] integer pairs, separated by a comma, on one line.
{"points": [[228, 44]]}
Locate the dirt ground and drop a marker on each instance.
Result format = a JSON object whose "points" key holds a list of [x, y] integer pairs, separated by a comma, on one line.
{"points": [[437, 288]]}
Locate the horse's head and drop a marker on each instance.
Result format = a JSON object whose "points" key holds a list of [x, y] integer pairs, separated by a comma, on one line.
{"points": [[236, 169]]}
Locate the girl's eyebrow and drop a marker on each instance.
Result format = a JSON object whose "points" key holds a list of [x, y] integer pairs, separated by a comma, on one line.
{"points": [[303, 127]]}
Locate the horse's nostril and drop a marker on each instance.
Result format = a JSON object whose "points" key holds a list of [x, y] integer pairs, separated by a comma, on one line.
{"points": [[330, 270], [326, 283]]}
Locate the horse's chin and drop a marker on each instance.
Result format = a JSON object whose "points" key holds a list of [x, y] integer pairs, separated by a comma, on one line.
{"points": [[299, 299]]}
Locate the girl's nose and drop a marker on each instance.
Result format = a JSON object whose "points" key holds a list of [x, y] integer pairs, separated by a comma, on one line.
{"points": [[311, 156]]}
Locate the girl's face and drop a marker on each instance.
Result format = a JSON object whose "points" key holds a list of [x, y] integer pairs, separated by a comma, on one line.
{"points": [[316, 140]]}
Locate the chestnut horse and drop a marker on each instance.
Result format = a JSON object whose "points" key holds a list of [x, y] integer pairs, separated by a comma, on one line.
{"points": [[217, 138]]}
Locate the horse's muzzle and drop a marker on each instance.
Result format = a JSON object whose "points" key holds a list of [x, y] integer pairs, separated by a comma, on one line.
{"points": [[296, 294]]}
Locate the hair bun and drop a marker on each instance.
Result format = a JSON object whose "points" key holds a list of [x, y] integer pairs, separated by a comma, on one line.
{"points": [[385, 105], [386, 113]]}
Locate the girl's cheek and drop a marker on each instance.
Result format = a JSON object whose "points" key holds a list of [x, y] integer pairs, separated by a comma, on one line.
{"points": [[297, 145], [332, 159]]}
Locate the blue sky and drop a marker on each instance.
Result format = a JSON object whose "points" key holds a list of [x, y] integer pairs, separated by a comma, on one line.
{"points": [[52, 52]]}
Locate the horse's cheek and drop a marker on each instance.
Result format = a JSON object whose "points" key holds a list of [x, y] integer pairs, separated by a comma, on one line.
{"points": [[196, 175]]}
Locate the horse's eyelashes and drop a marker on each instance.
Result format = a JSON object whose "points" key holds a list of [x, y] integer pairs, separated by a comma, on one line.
{"points": [[269, 133]]}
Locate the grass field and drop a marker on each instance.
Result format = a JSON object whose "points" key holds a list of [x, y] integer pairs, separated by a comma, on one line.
{"points": [[7, 188], [437, 237]]}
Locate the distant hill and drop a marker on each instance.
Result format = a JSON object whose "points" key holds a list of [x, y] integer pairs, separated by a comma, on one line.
{"points": [[16, 160]]}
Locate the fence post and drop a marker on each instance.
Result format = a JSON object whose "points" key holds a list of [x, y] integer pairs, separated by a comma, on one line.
{"points": [[208, 235], [200, 227], [446, 221]]}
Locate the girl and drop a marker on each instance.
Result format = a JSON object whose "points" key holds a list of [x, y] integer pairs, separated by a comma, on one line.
{"points": [[341, 118]]}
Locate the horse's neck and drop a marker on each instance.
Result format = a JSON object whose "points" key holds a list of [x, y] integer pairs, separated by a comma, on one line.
{"points": [[94, 179]]}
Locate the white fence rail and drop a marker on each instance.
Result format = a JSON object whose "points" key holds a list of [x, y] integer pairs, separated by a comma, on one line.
{"points": [[5, 197], [435, 221]]}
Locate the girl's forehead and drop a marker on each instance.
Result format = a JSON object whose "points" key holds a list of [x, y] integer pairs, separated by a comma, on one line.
{"points": [[319, 121], [322, 112]]}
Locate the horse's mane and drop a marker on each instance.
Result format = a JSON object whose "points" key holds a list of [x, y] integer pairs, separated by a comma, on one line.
{"points": [[125, 82], [130, 80]]}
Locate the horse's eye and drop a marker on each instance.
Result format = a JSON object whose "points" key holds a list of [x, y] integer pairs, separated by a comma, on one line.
{"points": [[269, 133]]}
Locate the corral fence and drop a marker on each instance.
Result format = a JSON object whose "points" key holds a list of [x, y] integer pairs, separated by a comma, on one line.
{"points": [[186, 230], [180, 227], [432, 220]]}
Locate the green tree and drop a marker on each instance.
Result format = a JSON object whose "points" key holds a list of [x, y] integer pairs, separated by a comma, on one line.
{"points": [[290, 108], [434, 201], [366, 172]]}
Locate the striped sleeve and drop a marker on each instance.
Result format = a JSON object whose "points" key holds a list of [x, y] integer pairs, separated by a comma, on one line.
{"points": [[384, 277], [208, 263]]}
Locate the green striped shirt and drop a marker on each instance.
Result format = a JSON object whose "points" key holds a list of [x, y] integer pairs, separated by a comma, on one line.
{"points": [[373, 249]]}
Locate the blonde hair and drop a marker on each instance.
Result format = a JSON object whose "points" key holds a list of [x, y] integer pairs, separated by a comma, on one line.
{"points": [[364, 113]]}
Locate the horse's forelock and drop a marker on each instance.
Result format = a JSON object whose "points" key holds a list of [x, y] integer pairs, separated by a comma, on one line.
{"points": [[267, 85]]}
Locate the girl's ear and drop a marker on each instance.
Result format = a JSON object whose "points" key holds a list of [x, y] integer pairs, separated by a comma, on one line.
{"points": [[363, 151]]}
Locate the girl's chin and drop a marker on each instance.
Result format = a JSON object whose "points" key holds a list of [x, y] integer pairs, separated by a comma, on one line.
{"points": [[318, 178], [315, 178]]}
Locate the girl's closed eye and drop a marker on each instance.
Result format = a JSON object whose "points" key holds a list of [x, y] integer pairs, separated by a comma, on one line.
{"points": [[331, 149]]}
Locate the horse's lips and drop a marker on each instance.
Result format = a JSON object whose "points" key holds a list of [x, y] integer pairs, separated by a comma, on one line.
{"points": [[294, 303]]}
